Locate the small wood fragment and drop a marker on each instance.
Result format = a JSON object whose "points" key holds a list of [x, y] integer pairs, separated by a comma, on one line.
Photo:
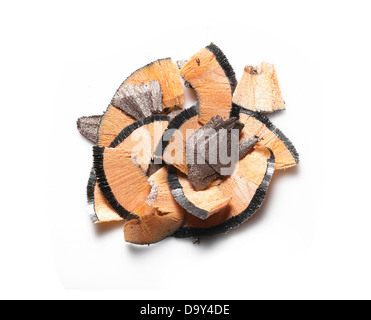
{"points": [[258, 89], [89, 126]]}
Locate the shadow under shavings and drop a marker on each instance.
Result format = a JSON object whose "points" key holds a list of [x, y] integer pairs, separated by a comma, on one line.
{"points": [[103, 228], [139, 249], [273, 115]]}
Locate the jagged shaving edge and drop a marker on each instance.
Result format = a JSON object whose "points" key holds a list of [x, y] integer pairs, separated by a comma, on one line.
{"points": [[235, 112], [127, 131], [90, 195], [98, 153], [224, 63]]}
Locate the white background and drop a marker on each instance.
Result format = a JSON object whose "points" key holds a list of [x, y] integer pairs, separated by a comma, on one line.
{"points": [[62, 60]]}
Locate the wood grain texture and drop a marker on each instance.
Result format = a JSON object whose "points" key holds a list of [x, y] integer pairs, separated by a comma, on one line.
{"points": [[122, 182], [112, 123], [258, 89], [167, 215], [213, 88]]}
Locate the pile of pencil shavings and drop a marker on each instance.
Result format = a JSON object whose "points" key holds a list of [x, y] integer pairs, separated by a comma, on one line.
{"points": [[204, 170]]}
